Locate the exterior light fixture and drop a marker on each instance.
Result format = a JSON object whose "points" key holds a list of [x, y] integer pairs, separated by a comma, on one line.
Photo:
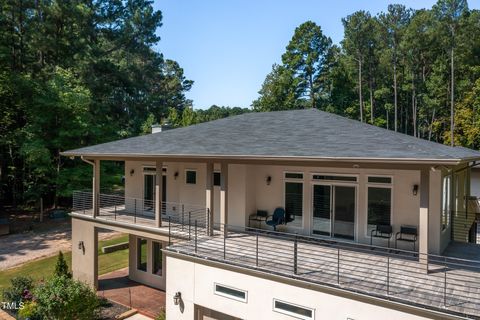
{"points": [[177, 297], [132, 172], [268, 180], [415, 189], [175, 175], [81, 246]]}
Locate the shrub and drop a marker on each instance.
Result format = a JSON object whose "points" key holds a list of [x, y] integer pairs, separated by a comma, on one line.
{"points": [[29, 311], [62, 298], [61, 267], [161, 315], [19, 290]]}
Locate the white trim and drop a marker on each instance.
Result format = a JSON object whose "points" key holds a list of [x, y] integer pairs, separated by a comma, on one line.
{"points": [[295, 180], [292, 314], [353, 175], [226, 295], [332, 184], [380, 186], [185, 177]]}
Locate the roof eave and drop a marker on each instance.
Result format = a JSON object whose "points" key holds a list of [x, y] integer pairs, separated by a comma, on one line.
{"points": [[121, 156]]}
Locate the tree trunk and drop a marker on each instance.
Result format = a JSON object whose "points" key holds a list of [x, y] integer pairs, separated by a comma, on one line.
{"points": [[360, 88], [372, 118], [431, 126], [452, 97], [395, 91], [312, 94], [414, 111]]}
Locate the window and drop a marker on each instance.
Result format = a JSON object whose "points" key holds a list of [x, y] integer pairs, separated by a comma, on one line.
{"points": [[334, 178], [216, 179], [385, 180], [294, 203], [229, 292], [157, 258], [379, 207], [142, 254], [446, 201], [293, 310], [292, 175], [191, 177]]}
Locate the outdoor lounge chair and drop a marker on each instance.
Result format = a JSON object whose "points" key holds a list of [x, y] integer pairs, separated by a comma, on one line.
{"points": [[382, 231], [258, 217], [276, 219], [408, 234]]}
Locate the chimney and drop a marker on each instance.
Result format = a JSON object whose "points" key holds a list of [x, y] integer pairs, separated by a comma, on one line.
{"points": [[160, 127]]}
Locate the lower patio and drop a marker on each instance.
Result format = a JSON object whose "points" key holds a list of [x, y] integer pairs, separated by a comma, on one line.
{"points": [[117, 287]]}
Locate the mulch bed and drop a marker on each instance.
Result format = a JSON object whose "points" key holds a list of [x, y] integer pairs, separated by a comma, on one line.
{"points": [[110, 310]]}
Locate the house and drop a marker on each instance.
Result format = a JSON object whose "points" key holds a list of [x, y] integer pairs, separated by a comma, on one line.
{"points": [[190, 193]]}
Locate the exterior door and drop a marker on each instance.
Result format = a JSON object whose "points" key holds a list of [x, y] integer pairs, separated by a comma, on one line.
{"points": [[334, 209], [149, 191]]}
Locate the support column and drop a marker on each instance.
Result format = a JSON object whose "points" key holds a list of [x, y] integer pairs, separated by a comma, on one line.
{"points": [[158, 192], [423, 220], [209, 194], [96, 188], [85, 252], [224, 198]]}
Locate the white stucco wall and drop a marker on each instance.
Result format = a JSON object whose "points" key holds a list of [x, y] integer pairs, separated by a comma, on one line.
{"points": [[248, 192], [196, 282]]}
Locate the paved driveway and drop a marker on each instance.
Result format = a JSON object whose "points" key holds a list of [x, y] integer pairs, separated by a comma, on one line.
{"points": [[16, 249]]}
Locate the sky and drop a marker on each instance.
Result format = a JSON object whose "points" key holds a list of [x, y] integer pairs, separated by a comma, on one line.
{"points": [[227, 47]]}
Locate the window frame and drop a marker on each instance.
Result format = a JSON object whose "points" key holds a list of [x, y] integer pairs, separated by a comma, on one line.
{"points": [[383, 186], [284, 191], [228, 296], [153, 258], [196, 176], [292, 314], [332, 174], [139, 254]]}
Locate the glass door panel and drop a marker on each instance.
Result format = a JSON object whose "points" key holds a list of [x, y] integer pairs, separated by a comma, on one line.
{"points": [[149, 192], [344, 213], [322, 206]]}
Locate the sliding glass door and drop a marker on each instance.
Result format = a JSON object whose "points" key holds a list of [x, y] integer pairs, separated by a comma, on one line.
{"points": [[334, 210]]}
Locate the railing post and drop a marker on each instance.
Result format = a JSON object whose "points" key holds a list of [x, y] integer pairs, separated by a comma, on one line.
{"points": [[207, 222], [295, 248], [338, 265], [115, 211], [183, 216], [135, 211], [388, 275], [224, 247], [195, 235], [445, 268], [169, 230], [256, 254], [189, 226]]}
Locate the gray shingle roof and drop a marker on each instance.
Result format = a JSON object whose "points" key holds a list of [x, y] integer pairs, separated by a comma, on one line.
{"points": [[306, 134]]}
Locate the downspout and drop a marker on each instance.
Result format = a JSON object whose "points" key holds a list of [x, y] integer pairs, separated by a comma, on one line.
{"points": [[87, 161]]}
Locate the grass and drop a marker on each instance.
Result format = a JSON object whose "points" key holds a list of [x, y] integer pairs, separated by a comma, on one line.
{"points": [[43, 268]]}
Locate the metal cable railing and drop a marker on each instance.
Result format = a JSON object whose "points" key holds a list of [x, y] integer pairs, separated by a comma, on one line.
{"points": [[450, 285], [139, 211]]}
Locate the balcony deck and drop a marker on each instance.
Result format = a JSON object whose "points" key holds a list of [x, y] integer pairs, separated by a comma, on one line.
{"points": [[451, 285]]}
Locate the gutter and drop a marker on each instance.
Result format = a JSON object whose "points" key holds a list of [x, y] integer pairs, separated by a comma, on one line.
{"points": [[260, 158]]}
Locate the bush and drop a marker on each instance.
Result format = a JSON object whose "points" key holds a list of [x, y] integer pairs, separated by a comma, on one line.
{"points": [[29, 311], [19, 290], [62, 298], [161, 315], [61, 268]]}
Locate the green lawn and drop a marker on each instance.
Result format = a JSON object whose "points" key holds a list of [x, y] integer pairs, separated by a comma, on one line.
{"points": [[43, 268]]}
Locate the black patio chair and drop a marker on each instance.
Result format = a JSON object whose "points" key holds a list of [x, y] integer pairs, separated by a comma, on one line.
{"points": [[407, 234], [381, 231], [258, 217]]}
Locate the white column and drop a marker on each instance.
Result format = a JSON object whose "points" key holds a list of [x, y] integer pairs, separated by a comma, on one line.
{"points": [[209, 194], [423, 220], [158, 192], [224, 198], [96, 188]]}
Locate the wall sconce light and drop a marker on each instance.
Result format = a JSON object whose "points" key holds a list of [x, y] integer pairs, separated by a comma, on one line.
{"points": [[415, 189], [132, 172], [81, 246], [268, 180], [175, 175], [177, 297]]}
